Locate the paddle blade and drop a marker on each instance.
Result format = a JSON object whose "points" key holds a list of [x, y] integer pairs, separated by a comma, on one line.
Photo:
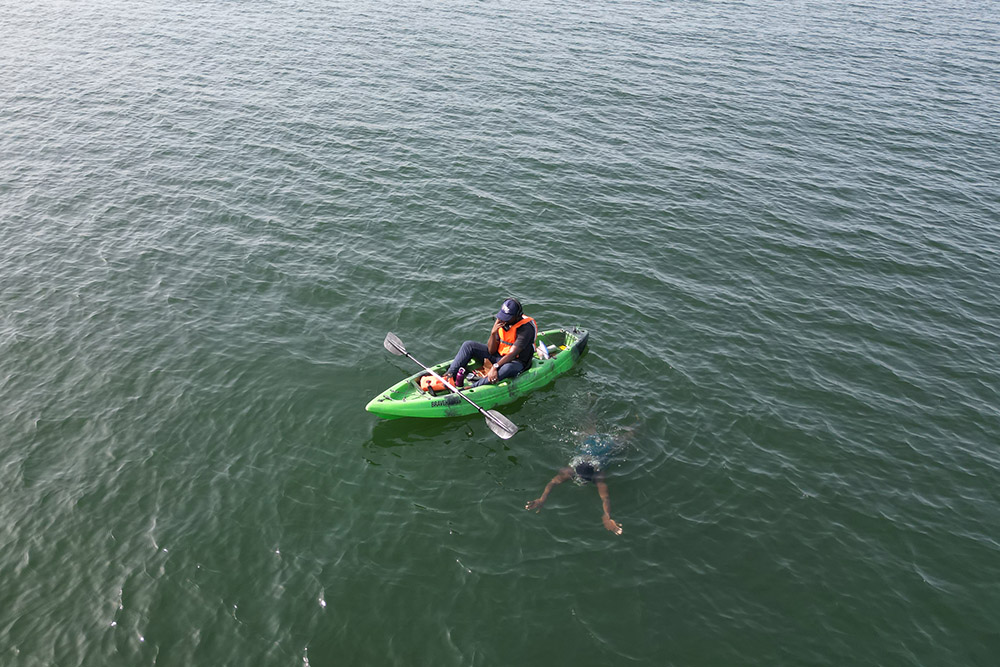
{"points": [[500, 425], [393, 344]]}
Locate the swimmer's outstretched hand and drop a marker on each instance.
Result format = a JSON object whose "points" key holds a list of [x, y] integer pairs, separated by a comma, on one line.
{"points": [[612, 525], [535, 504]]}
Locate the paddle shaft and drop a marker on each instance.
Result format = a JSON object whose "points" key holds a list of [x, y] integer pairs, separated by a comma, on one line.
{"points": [[499, 424], [451, 387]]}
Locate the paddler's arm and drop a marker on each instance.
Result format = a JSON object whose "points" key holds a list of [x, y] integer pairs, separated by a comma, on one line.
{"points": [[561, 477], [525, 336], [602, 489], [495, 368], [493, 342]]}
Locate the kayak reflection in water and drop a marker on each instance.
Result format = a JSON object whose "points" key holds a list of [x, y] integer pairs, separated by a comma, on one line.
{"points": [[587, 465]]}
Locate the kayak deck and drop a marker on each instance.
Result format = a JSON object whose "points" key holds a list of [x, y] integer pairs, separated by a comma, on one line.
{"points": [[406, 399]]}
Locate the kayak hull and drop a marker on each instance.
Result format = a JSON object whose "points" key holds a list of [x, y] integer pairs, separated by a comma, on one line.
{"points": [[405, 398]]}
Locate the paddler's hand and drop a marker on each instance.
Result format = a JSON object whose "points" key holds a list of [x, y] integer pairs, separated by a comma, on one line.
{"points": [[535, 504], [493, 373], [612, 525]]}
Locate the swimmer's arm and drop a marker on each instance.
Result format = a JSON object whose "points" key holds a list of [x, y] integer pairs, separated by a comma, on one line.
{"points": [[560, 477], [609, 523]]}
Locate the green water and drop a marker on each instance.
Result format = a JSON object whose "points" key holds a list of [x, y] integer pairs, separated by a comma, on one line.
{"points": [[780, 222]]}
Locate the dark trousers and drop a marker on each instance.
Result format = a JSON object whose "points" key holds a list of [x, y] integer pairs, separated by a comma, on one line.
{"points": [[474, 350]]}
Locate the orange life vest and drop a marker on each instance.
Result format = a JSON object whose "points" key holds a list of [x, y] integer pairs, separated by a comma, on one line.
{"points": [[509, 336], [431, 383]]}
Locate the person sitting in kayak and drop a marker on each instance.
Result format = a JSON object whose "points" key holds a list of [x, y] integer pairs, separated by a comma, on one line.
{"points": [[587, 465], [509, 348]]}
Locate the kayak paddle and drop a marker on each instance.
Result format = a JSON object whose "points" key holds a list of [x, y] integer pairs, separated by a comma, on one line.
{"points": [[499, 424]]}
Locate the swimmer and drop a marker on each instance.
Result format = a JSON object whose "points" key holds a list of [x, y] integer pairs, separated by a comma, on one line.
{"points": [[587, 466]]}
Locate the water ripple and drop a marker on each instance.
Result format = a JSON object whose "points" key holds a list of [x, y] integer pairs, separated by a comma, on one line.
{"points": [[787, 256]]}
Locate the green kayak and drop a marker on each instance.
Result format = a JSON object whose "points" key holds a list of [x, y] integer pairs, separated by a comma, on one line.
{"points": [[406, 399]]}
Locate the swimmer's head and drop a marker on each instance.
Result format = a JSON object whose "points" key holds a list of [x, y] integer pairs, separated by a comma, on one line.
{"points": [[586, 472]]}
